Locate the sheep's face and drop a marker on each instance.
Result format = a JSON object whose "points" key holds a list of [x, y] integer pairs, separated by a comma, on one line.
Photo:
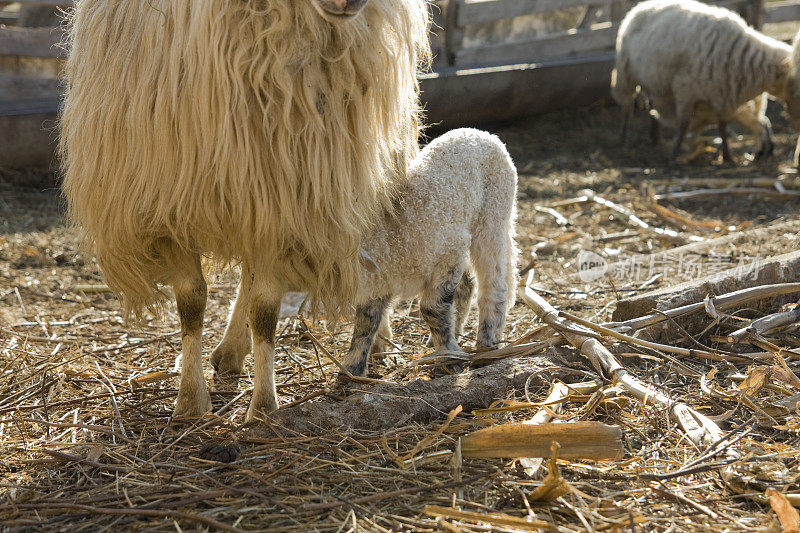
{"points": [[339, 9]]}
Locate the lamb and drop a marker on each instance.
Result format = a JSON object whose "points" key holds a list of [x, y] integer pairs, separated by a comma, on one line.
{"points": [[694, 58], [455, 215], [267, 133]]}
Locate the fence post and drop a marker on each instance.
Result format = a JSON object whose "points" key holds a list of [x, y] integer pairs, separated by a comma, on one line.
{"points": [[756, 14], [453, 33]]}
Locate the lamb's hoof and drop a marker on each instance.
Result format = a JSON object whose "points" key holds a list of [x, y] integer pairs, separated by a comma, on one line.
{"points": [[220, 452], [192, 407], [379, 346], [343, 381], [227, 361]]}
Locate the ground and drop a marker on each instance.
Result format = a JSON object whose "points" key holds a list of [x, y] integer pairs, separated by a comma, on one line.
{"points": [[85, 398]]}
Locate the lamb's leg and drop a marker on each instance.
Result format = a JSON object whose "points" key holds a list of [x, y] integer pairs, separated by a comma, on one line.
{"points": [[726, 152], [228, 357], [463, 300], [368, 320], [265, 306], [438, 309], [384, 332], [191, 294]]}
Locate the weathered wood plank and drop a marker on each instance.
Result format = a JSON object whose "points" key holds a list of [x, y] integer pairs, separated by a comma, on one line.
{"points": [[600, 37], [63, 3], [477, 11], [782, 12], [31, 42], [458, 97]]}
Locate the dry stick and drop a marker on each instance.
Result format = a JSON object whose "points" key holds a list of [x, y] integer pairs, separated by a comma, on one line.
{"points": [[699, 428], [682, 195], [687, 352], [765, 183], [765, 324], [731, 299], [216, 524], [633, 219]]}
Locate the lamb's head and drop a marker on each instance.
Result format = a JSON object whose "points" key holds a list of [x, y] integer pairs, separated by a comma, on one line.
{"points": [[339, 9]]}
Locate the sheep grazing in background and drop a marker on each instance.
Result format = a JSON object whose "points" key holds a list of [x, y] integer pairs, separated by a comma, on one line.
{"points": [[694, 58], [269, 133], [454, 216]]}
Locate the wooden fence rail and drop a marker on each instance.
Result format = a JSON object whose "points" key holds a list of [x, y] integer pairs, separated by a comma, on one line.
{"points": [[472, 82]]}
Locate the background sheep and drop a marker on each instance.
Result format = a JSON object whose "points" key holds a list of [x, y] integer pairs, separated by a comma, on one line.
{"points": [[690, 56], [269, 133], [454, 216]]}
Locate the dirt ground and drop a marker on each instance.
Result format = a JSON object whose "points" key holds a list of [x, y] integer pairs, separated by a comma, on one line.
{"points": [[85, 399]]}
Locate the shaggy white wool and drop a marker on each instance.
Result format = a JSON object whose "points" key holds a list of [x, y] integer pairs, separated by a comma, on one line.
{"points": [[693, 57], [254, 132]]}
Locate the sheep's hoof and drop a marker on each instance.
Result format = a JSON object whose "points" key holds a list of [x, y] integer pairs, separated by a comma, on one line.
{"points": [[260, 409], [192, 406], [227, 361]]}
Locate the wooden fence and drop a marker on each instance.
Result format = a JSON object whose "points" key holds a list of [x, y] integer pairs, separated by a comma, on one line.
{"points": [[30, 61], [471, 82]]}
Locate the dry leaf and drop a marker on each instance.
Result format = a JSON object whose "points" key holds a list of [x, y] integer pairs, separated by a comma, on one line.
{"points": [[554, 485], [787, 515]]}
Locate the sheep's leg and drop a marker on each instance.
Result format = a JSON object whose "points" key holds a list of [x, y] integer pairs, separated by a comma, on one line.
{"points": [[626, 120], [761, 127], [796, 159], [682, 127], [228, 357], [369, 318], [767, 146], [463, 299], [726, 152], [438, 309], [264, 310], [191, 294], [655, 130]]}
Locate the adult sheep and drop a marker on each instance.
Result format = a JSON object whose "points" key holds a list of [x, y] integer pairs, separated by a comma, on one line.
{"points": [[690, 57], [269, 133]]}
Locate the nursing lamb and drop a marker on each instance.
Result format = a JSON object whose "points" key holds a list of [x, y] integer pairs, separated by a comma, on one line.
{"points": [[454, 216]]}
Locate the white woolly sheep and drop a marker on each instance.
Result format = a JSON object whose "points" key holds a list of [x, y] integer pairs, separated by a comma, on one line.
{"points": [[454, 216], [269, 133], [689, 57]]}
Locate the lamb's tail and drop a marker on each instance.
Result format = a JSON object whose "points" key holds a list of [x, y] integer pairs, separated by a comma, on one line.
{"points": [[493, 249]]}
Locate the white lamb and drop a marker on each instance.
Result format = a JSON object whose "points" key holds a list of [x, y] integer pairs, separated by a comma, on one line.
{"points": [[692, 58], [455, 215]]}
